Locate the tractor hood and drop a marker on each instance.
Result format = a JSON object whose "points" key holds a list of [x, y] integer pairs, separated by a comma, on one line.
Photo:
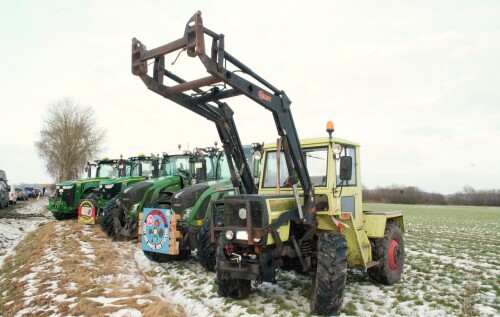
{"points": [[81, 181], [135, 193], [187, 197], [123, 179]]}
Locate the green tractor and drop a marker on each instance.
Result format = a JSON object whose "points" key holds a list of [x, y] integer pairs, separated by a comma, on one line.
{"points": [[192, 205], [120, 215], [65, 202], [136, 169]]}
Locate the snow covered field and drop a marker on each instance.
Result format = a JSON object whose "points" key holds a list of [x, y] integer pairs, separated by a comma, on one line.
{"points": [[452, 269], [16, 221]]}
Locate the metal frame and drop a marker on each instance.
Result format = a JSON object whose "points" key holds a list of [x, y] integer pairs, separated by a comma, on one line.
{"points": [[202, 102]]}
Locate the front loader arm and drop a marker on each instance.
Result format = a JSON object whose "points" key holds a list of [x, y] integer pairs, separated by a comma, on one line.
{"points": [[207, 100], [221, 114]]}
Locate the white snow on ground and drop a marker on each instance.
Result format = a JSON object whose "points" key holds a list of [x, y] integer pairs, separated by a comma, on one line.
{"points": [[434, 282], [12, 230]]}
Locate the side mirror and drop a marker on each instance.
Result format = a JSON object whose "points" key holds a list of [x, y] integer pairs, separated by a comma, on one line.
{"points": [[345, 172]]}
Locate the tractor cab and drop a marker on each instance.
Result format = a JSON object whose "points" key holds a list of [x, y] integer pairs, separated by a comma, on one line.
{"points": [[141, 165], [107, 168]]}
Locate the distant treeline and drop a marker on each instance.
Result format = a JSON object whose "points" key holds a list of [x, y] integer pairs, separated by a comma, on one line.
{"points": [[396, 194]]}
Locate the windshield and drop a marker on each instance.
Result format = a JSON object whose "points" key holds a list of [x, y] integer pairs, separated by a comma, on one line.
{"points": [[209, 162], [128, 169], [223, 167], [147, 168], [107, 170], [176, 164], [316, 161]]}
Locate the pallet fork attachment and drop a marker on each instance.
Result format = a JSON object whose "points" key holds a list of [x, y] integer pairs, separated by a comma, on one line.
{"points": [[205, 101]]}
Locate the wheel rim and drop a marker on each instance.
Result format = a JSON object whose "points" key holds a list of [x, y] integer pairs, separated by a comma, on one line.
{"points": [[394, 252]]}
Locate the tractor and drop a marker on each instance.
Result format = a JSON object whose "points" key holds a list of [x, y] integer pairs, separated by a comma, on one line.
{"points": [[192, 205], [65, 201], [137, 169], [133, 170], [121, 213], [308, 211]]}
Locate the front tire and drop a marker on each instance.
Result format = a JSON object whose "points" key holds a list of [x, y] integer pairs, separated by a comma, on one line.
{"points": [[59, 215], [205, 249], [107, 218], [331, 274], [389, 251], [227, 286]]}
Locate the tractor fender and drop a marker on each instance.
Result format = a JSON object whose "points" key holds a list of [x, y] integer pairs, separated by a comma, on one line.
{"points": [[375, 222]]}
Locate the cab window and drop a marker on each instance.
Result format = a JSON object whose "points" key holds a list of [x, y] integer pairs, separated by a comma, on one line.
{"points": [[316, 161]]}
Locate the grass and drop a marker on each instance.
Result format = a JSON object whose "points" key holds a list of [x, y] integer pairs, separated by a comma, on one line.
{"points": [[54, 257], [452, 253], [452, 260]]}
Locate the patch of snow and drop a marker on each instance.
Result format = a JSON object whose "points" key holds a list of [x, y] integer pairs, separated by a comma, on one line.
{"points": [[12, 231], [106, 301], [129, 312]]}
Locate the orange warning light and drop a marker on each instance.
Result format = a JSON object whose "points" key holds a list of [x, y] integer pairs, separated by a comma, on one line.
{"points": [[329, 127]]}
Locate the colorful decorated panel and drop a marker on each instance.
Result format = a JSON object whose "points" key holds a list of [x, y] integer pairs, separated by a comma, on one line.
{"points": [[156, 230], [87, 212]]}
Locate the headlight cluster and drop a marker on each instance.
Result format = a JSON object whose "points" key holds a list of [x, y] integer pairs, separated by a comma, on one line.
{"points": [[109, 186], [240, 235], [185, 214], [229, 234], [242, 213], [134, 208], [67, 187]]}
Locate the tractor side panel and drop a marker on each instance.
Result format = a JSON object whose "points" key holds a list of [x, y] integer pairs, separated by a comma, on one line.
{"points": [[375, 222]]}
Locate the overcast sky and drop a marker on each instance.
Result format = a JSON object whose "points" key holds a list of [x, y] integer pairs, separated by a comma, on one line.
{"points": [[416, 83]]}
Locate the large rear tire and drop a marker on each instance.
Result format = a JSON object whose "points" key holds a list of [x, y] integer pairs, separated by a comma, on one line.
{"points": [[227, 286], [389, 251], [331, 273]]}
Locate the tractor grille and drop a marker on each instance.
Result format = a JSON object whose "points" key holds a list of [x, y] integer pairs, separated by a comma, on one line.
{"points": [[68, 195], [108, 193], [233, 215]]}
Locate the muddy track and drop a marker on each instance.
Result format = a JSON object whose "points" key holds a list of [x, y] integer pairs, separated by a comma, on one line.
{"points": [[15, 215], [11, 211]]}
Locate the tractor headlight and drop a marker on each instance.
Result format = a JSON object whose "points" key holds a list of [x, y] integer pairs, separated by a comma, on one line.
{"points": [[67, 187], [134, 208], [242, 213], [229, 235], [257, 240], [185, 214], [109, 186], [257, 155], [337, 149], [241, 235]]}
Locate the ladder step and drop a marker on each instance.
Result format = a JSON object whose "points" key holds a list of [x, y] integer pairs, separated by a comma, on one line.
{"points": [[372, 264]]}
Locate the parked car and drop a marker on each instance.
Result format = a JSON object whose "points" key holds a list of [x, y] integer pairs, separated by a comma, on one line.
{"points": [[4, 194], [12, 196], [21, 194], [30, 191]]}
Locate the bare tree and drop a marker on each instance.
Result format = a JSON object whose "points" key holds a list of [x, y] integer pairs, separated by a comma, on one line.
{"points": [[69, 138]]}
